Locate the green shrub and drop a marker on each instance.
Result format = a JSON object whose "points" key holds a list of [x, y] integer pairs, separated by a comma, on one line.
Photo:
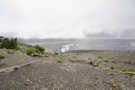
{"points": [[10, 52], [112, 68], [94, 63], [127, 72], [129, 62], [113, 83], [106, 60], [9, 43], [100, 57], [2, 56], [41, 49], [29, 51], [22, 50], [59, 61], [33, 52]]}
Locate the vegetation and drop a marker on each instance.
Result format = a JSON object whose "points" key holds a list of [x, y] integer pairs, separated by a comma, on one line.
{"points": [[2, 56], [94, 63], [0, 40], [9, 43], [59, 61], [106, 68], [16, 68], [113, 84], [32, 51], [56, 53], [112, 68], [10, 51], [35, 51], [129, 62], [100, 57], [22, 50], [127, 72], [41, 49], [106, 60]]}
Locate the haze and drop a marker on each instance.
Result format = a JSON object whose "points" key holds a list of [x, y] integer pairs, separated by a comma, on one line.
{"points": [[67, 18]]}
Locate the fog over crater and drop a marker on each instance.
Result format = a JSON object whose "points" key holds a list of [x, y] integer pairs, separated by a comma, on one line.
{"points": [[67, 18]]}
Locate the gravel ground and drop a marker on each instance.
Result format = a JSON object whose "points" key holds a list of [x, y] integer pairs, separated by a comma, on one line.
{"points": [[76, 70]]}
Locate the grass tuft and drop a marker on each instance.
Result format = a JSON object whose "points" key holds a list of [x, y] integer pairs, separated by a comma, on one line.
{"points": [[2, 56], [59, 61], [10, 51], [127, 72], [113, 84]]}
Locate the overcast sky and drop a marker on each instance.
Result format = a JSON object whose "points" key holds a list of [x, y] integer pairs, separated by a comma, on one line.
{"points": [[65, 18]]}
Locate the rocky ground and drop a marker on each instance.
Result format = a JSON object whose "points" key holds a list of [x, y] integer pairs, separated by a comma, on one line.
{"points": [[75, 70]]}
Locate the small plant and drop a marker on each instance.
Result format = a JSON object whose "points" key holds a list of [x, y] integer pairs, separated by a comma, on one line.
{"points": [[22, 50], [59, 61], [113, 84], [16, 68], [46, 55], [106, 61], [10, 52], [100, 57], [41, 49], [2, 56], [106, 68], [127, 72], [128, 62], [72, 60], [94, 63], [56, 53], [30, 51], [112, 68]]}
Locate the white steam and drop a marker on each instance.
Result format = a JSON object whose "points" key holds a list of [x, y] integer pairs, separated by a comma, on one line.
{"points": [[65, 18]]}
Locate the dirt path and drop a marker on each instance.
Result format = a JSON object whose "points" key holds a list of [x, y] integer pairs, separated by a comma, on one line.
{"points": [[15, 67]]}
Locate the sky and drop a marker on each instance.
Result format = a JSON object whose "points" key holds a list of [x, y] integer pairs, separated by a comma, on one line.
{"points": [[66, 18]]}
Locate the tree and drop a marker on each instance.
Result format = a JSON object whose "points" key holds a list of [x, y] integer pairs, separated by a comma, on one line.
{"points": [[9, 43]]}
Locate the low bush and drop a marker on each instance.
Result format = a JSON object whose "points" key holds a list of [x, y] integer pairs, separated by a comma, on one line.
{"points": [[34, 52], [13, 44], [10, 52], [94, 63], [129, 62], [30, 51], [113, 83], [127, 72], [59, 61], [41, 49], [112, 68], [22, 50], [2, 56], [100, 57]]}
